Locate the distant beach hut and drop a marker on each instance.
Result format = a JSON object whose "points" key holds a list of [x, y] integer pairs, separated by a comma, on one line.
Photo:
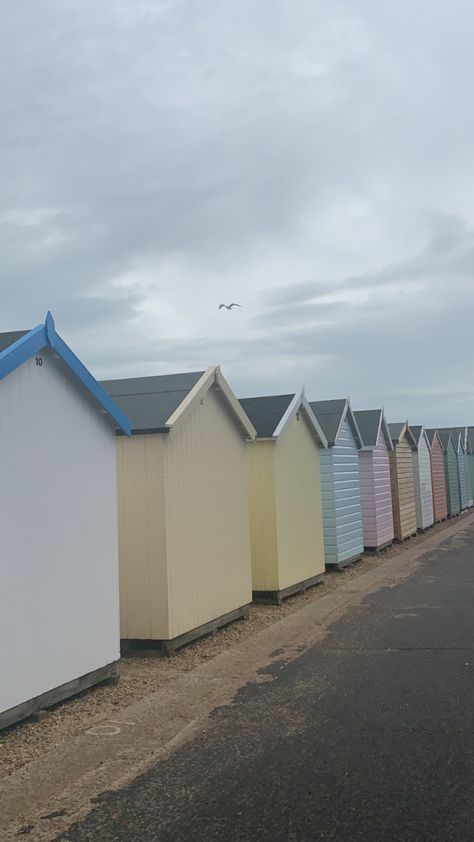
{"points": [[340, 482], [451, 473], [460, 441], [470, 457], [422, 478], [438, 476], [375, 486], [285, 496], [402, 478]]}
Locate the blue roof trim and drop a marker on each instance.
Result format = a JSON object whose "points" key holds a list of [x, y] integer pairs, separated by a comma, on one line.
{"points": [[22, 350], [44, 335]]}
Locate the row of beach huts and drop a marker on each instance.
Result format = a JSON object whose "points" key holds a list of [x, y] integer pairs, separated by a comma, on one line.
{"points": [[152, 510]]}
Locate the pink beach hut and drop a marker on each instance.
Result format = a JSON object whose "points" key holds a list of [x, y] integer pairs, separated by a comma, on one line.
{"points": [[375, 487]]}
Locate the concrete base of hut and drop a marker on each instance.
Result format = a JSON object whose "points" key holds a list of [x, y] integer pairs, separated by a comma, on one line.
{"points": [[379, 549], [339, 565], [405, 538], [57, 695], [276, 597], [167, 647]]}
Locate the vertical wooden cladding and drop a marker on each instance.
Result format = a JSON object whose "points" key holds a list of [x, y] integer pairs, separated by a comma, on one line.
{"points": [[438, 479], [184, 534], [285, 508], [470, 457], [463, 479], [452, 476], [403, 489], [207, 516], [59, 613]]}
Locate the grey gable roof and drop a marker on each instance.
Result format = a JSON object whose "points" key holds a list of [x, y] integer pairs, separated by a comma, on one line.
{"points": [[416, 432], [395, 430], [431, 432], [470, 439], [455, 433], [266, 412], [329, 415], [7, 339], [445, 436], [368, 422], [150, 401]]}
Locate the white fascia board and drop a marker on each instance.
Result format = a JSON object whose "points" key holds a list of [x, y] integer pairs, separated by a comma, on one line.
{"points": [[291, 410], [300, 402], [235, 405], [348, 411], [198, 391], [384, 424]]}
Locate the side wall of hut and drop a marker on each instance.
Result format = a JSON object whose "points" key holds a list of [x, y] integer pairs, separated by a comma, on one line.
{"points": [[298, 505], [463, 495], [383, 492], [438, 481], [263, 534], [207, 516], [423, 486], [342, 514], [142, 538], [367, 498], [468, 479], [470, 466], [376, 494], [452, 480], [403, 490], [59, 615]]}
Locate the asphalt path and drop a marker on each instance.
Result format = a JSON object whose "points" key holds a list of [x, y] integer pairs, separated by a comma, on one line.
{"points": [[367, 736]]}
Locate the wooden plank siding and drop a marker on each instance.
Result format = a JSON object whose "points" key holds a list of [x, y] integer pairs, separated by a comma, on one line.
{"points": [[184, 531], [285, 509], [299, 517], [423, 488], [452, 480], [340, 486], [468, 479], [376, 495], [470, 468], [463, 492], [403, 490], [438, 481]]}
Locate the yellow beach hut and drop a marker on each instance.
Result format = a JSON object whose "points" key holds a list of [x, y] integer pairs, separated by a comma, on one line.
{"points": [[285, 496], [184, 532]]}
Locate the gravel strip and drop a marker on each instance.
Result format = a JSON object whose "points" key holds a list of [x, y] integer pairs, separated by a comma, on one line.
{"points": [[142, 674]]}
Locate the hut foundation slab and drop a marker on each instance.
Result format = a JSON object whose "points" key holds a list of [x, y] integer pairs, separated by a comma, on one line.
{"points": [[58, 694], [379, 549], [167, 647], [276, 597], [339, 565]]}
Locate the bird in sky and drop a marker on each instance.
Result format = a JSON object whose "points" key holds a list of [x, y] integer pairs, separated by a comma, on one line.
{"points": [[229, 306]]}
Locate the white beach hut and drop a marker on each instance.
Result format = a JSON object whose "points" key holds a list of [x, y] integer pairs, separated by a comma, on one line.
{"points": [[59, 599]]}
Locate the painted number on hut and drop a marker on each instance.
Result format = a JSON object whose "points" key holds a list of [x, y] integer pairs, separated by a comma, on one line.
{"points": [[39, 361]]}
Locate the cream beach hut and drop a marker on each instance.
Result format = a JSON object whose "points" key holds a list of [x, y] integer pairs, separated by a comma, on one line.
{"points": [[184, 533], [285, 496]]}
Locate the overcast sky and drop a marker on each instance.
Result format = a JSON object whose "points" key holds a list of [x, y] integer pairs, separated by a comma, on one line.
{"points": [[313, 161]]}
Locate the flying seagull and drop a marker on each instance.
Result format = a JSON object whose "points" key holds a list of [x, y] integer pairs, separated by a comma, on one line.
{"points": [[229, 306]]}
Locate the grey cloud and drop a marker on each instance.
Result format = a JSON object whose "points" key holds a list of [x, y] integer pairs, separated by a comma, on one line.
{"points": [[449, 253], [223, 134]]}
